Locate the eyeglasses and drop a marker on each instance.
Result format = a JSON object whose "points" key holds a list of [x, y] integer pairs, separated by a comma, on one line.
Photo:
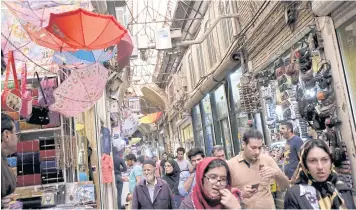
{"points": [[167, 166], [215, 180]]}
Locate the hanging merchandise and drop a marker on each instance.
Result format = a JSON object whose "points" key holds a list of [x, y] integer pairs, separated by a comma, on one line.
{"points": [[11, 98], [38, 12], [82, 58], [151, 118], [125, 48], [46, 97], [86, 30], [39, 115], [26, 95], [15, 38], [105, 140], [107, 166], [80, 91]]}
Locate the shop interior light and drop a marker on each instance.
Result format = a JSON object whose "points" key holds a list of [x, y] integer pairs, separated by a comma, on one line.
{"points": [[310, 93], [279, 110]]}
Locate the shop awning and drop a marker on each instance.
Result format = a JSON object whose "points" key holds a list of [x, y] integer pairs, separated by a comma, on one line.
{"points": [[155, 95]]}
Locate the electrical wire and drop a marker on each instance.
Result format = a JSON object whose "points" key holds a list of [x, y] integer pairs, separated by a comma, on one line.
{"points": [[19, 50]]}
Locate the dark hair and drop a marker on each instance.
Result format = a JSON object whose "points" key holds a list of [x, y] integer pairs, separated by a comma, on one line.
{"points": [[149, 162], [180, 149], [194, 152], [251, 134], [6, 123], [217, 148], [131, 157], [141, 159], [310, 145], [218, 163], [289, 125]]}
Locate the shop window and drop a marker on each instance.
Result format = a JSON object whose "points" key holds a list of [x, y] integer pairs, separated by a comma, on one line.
{"points": [[208, 123], [199, 138], [221, 103], [347, 39]]}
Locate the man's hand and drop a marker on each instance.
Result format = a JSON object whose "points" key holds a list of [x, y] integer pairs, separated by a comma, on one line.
{"points": [[191, 169], [129, 197], [248, 192], [229, 200], [268, 172], [125, 179]]}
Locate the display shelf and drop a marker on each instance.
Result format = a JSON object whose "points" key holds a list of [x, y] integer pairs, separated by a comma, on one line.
{"points": [[41, 130], [33, 191]]}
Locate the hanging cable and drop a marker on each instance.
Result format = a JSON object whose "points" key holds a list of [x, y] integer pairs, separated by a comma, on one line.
{"points": [[19, 50]]}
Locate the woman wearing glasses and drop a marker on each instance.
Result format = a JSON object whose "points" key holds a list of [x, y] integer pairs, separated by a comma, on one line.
{"points": [[213, 187], [317, 185]]}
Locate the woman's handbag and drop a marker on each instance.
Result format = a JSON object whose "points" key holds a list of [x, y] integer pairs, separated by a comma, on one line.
{"points": [[26, 95], [48, 86], [39, 115], [11, 98]]}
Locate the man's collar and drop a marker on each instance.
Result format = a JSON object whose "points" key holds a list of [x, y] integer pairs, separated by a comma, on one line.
{"points": [[151, 184]]}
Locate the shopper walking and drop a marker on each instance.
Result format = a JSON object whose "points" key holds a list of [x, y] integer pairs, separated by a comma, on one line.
{"points": [[187, 178], [119, 166], [254, 173], [8, 146], [291, 149], [135, 174], [163, 161], [183, 163], [219, 152], [152, 192], [172, 178], [317, 184], [213, 187]]}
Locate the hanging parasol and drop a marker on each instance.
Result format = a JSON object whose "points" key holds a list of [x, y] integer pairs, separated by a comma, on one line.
{"points": [[151, 118], [38, 12], [86, 30], [14, 38], [45, 39], [70, 60], [124, 48], [80, 91]]}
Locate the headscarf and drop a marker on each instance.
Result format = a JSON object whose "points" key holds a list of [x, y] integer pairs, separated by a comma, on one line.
{"points": [[329, 197], [173, 178], [200, 197]]}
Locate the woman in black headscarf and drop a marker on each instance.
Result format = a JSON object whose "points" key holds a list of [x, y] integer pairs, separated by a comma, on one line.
{"points": [[317, 185], [172, 178]]}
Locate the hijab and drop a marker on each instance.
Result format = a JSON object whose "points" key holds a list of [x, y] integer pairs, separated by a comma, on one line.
{"points": [[173, 178], [329, 198], [200, 197]]}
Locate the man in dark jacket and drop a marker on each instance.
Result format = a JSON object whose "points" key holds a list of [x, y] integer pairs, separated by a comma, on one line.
{"points": [[152, 192], [8, 147], [119, 166]]}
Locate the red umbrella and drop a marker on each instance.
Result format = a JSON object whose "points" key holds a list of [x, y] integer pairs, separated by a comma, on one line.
{"points": [[86, 30], [45, 39], [124, 51]]}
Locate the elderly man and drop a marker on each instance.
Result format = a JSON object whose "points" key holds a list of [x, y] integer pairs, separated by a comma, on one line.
{"points": [[8, 146], [152, 192], [219, 152]]}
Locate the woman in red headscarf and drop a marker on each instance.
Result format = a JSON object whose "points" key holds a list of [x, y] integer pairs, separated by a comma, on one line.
{"points": [[213, 187]]}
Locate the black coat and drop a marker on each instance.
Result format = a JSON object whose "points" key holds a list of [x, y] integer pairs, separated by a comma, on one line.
{"points": [[294, 200]]}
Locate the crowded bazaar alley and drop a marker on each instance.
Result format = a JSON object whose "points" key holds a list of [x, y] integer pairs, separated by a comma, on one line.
{"points": [[174, 104]]}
